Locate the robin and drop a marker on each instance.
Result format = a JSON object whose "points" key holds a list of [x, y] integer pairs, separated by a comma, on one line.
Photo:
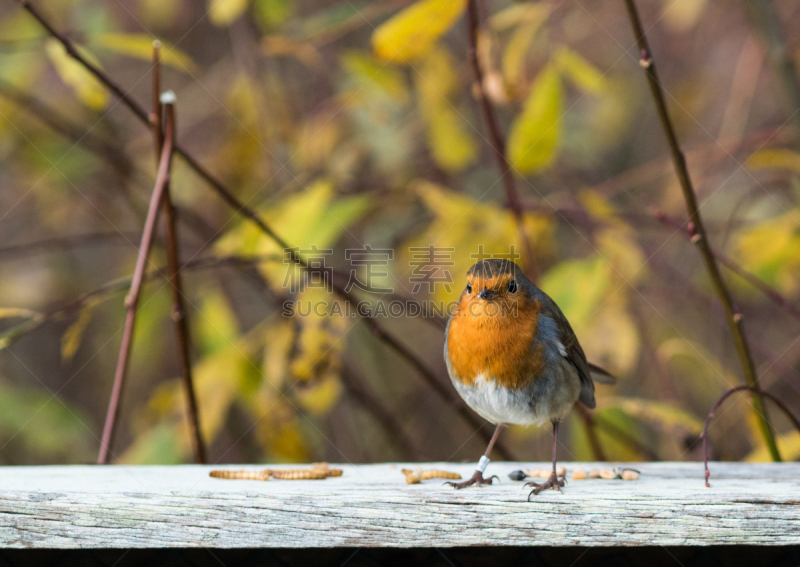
{"points": [[513, 357]]}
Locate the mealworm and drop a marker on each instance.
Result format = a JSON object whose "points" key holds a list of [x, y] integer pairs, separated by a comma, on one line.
{"points": [[242, 474], [328, 471], [300, 474], [418, 475]]}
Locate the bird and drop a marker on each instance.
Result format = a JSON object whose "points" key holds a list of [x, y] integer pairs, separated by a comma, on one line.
{"points": [[513, 358]]}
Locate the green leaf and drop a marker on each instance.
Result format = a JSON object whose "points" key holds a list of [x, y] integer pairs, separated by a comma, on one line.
{"points": [[412, 32], [774, 159], [42, 424], [140, 46], [663, 415], [10, 335], [271, 13], [89, 89], [159, 445], [583, 74], [536, 132], [223, 13]]}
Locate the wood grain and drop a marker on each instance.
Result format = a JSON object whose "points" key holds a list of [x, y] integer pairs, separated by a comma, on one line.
{"points": [[372, 506]]}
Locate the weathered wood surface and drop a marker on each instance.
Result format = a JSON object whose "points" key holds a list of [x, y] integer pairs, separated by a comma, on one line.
{"points": [[371, 505]]}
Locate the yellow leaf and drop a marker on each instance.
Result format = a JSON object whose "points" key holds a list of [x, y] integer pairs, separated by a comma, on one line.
{"points": [[585, 75], [71, 339], [610, 337], [682, 15], [771, 250], [536, 132], [699, 360], [367, 70], [660, 414], [309, 219], [618, 246], [318, 399], [517, 47], [578, 287], [451, 144], [411, 33], [519, 14], [89, 90], [774, 159], [470, 228], [216, 324], [140, 46], [303, 51], [223, 13], [788, 445], [15, 312]]}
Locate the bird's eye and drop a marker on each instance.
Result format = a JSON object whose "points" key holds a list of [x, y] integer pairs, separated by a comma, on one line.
{"points": [[512, 286], [469, 288]]}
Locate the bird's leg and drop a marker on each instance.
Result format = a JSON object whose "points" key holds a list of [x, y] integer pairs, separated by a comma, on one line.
{"points": [[553, 482], [477, 477]]}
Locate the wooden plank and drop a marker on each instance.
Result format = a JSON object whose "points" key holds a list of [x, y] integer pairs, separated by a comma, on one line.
{"points": [[372, 506]]}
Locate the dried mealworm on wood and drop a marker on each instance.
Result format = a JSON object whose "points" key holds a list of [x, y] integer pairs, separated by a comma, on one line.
{"points": [[607, 474], [578, 474], [413, 477], [594, 473], [323, 467], [630, 474], [241, 474], [440, 474], [299, 474], [538, 473]]}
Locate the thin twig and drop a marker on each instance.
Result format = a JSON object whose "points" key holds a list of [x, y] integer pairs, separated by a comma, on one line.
{"points": [[132, 299], [699, 236], [724, 397], [67, 242], [496, 138], [749, 277], [179, 315], [249, 213], [86, 139]]}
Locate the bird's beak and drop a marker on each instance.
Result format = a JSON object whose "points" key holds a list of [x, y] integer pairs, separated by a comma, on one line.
{"points": [[487, 294]]}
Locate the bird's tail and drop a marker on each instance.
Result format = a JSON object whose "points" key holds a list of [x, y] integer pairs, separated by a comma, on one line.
{"points": [[601, 376]]}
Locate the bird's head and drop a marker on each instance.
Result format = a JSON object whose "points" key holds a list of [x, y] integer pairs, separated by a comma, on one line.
{"points": [[494, 287]]}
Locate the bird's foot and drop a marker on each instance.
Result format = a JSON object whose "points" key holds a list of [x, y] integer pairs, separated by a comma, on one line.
{"points": [[553, 482], [476, 478]]}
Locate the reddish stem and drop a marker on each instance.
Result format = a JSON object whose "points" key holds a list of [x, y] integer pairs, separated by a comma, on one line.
{"points": [[724, 397], [132, 299]]}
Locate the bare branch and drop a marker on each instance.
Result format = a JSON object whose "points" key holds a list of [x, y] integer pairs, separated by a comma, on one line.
{"points": [[699, 236]]}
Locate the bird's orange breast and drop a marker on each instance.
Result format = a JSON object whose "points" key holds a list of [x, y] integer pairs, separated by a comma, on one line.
{"points": [[501, 346]]}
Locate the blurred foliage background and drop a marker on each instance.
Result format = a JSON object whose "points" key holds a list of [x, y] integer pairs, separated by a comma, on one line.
{"points": [[352, 123]]}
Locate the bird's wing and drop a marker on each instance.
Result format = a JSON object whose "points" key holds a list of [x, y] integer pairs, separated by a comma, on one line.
{"points": [[574, 353]]}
